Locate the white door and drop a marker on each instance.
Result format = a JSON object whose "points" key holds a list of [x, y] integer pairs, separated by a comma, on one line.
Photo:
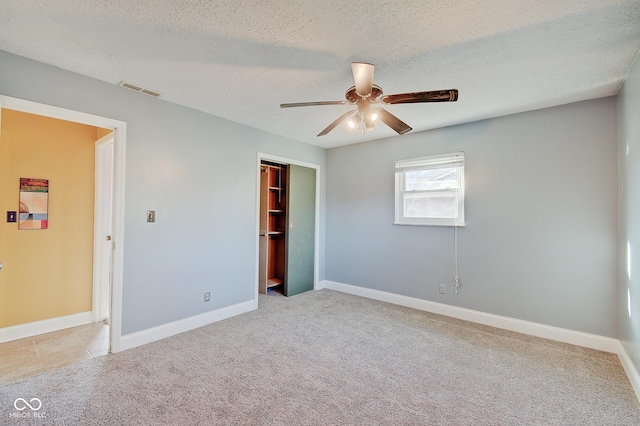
{"points": [[103, 229]]}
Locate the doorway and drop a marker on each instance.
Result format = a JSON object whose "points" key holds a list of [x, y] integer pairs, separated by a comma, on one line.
{"points": [[287, 225], [114, 311]]}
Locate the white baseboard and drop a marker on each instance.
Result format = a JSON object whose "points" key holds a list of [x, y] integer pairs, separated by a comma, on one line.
{"points": [[630, 369], [23, 331], [578, 338], [143, 337]]}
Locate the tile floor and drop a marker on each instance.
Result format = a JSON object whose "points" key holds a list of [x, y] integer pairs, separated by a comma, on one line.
{"points": [[45, 352]]}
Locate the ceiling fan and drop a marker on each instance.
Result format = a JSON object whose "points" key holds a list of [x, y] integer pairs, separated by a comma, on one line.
{"points": [[365, 94]]}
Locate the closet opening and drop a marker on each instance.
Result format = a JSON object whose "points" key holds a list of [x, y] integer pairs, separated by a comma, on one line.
{"points": [[287, 228], [273, 226]]}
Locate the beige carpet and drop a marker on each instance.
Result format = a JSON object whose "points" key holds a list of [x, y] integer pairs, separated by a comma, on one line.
{"points": [[330, 358]]}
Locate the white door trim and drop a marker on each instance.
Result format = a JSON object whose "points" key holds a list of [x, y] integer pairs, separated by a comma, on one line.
{"points": [[316, 249], [120, 128]]}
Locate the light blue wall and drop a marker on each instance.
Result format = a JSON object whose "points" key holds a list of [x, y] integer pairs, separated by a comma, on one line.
{"points": [[629, 213], [196, 170], [540, 241], [541, 218]]}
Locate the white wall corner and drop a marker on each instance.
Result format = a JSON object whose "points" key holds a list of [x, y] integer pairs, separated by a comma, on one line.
{"points": [[153, 334], [23, 331]]}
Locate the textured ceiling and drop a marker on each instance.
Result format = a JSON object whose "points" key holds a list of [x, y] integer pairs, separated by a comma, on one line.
{"points": [[239, 59]]}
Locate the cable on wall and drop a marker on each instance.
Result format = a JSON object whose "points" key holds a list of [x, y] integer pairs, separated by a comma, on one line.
{"points": [[456, 280]]}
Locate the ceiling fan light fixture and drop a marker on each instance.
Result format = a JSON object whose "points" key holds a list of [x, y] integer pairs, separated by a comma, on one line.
{"points": [[364, 94], [355, 121], [368, 123]]}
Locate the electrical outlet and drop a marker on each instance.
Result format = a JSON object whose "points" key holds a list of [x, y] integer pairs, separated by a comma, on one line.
{"points": [[443, 288], [207, 296]]}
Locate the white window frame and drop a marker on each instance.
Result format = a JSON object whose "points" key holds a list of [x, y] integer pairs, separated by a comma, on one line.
{"points": [[429, 163]]}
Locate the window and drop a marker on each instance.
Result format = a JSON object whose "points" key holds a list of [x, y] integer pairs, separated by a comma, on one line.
{"points": [[430, 190]]}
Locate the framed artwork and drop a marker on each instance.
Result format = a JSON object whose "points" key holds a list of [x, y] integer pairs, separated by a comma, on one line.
{"points": [[34, 204]]}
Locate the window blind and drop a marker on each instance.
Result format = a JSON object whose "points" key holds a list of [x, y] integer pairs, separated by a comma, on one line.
{"points": [[432, 162]]}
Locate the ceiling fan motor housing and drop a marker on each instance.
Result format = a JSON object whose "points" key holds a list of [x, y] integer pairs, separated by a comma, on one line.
{"points": [[353, 98]]}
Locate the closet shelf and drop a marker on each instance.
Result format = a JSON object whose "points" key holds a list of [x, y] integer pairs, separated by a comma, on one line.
{"points": [[272, 282]]}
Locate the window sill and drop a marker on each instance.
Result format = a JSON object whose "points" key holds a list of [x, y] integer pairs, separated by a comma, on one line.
{"points": [[459, 225]]}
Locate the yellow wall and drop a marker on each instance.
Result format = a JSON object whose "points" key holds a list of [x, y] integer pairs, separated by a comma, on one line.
{"points": [[100, 132], [46, 273]]}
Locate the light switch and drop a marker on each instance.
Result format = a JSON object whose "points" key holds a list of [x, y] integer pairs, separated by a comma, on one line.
{"points": [[11, 217], [151, 215]]}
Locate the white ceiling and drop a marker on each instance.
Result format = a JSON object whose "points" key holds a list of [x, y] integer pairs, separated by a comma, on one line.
{"points": [[239, 59]]}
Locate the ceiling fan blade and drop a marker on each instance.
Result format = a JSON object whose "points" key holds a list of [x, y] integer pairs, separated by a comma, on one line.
{"points": [[340, 119], [301, 104], [412, 98], [363, 77], [392, 121]]}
